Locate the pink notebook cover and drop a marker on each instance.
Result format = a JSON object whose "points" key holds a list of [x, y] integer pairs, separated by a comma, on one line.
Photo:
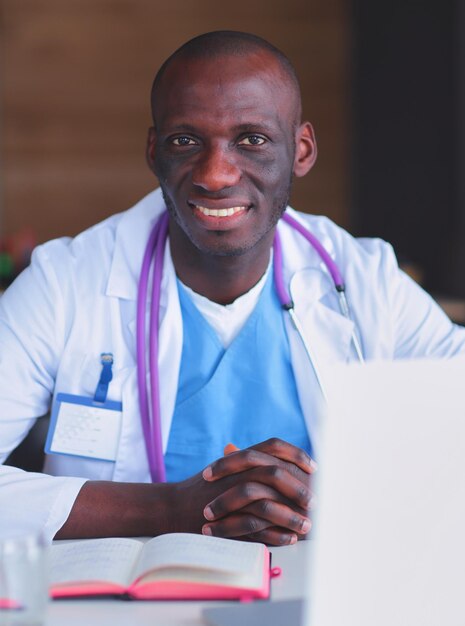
{"points": [[170, 590]]}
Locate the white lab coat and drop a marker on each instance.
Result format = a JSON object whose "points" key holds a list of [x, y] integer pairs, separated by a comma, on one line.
{"points": [[78, 299]]}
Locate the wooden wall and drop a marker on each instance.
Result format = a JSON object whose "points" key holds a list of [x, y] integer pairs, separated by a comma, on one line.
{"points": [[74, 102]]}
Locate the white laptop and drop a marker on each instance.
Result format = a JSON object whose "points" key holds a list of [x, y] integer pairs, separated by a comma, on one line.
{"points": [[390, 525]]}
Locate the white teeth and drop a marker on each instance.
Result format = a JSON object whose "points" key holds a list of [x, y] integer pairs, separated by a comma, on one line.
{"points": [[220, 212]]}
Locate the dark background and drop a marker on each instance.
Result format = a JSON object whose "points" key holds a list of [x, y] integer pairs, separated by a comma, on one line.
{"points": [[407, 168]]}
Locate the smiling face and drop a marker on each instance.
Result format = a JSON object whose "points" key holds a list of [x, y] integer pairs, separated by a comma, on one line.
{"points": [[225, 145]]}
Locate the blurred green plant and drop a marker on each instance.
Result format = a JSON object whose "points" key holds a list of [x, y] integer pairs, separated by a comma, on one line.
{"points": [[15, 255]]}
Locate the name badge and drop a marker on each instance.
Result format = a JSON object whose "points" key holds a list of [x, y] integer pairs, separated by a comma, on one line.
{"points": [[83, 427], [87, 427]]}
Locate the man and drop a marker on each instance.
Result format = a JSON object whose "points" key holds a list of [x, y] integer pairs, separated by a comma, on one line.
{"points": [[226, 140]]}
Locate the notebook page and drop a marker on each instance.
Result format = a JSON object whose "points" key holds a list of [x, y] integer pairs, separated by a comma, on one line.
{"points": [[109, 560], [249, 579], [200, 552]]}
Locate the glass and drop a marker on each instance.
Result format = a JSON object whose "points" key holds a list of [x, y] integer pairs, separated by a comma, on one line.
{"points": [[23, 580]]}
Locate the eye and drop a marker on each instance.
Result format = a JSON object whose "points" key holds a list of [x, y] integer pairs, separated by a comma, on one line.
{"points": [[252, 140], [183, 141]]}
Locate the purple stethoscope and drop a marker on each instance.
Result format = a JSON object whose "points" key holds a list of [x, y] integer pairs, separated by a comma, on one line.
{"points": [[153, 257]]}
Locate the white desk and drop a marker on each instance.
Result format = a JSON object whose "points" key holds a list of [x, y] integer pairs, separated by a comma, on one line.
{"points": [[291, 584]]}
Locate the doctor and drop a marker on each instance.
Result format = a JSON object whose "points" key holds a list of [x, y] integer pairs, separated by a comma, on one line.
{"points": [[226, 141]]}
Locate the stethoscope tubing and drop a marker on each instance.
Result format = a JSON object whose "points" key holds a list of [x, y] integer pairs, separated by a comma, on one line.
{"points": [[285, 297], [153, 258], [151, 427], [321, 250]]}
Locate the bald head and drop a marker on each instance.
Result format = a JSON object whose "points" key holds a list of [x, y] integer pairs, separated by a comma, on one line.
{"points": [[213, 46]]}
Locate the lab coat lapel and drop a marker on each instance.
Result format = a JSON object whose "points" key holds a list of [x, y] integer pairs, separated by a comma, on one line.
{"points": [[316, 304], [170, 343], [327, 332], [131, 237], [169, 358]]}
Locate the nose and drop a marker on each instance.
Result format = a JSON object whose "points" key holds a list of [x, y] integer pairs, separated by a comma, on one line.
{"points": [[215, 170]]}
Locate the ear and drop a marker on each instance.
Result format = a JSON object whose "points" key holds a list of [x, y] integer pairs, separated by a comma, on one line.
{"points": [[306, 151], [150, 149]]}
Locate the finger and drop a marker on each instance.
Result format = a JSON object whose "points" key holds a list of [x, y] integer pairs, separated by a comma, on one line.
{"points": [[236, 498], [242, 460], [280, 515], [269, 483], [270, 535], [236, 525], [273, 536], [284, 483], [257, 516], [288, 452], [235, 462]]}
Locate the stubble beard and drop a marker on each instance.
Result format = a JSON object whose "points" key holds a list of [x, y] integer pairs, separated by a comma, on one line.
{"points": [[222, 248]]}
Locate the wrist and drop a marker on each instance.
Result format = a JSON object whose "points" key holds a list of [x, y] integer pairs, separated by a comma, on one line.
{"points": [[149, 509], [108, 509]]}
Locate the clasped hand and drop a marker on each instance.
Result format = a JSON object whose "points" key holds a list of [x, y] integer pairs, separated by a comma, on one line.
{"points": [[261, 493]]}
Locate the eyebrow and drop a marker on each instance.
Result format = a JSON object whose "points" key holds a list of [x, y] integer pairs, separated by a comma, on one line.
{"points": [[246, 127], [182, 128], [251, 127]]}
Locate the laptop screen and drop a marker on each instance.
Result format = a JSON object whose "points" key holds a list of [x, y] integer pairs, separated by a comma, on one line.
{"points": [[390, 522]]}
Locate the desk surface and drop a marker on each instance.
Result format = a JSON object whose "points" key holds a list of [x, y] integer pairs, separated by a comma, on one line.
{"points": [[290, 585]]}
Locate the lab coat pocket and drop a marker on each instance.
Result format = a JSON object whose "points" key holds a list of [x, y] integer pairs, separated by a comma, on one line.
{"points": [[87, 371]]}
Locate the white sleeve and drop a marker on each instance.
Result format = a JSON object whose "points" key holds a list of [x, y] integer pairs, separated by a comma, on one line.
{"points": [[32, 335], [419, 326], [423, 329]]}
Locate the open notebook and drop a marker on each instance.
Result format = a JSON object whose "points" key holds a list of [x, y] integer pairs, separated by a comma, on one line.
{"points": [[390, 525], [178, 566]]}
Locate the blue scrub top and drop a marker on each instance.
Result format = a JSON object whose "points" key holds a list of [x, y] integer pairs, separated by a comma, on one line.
{"points": [[243, 394]]}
